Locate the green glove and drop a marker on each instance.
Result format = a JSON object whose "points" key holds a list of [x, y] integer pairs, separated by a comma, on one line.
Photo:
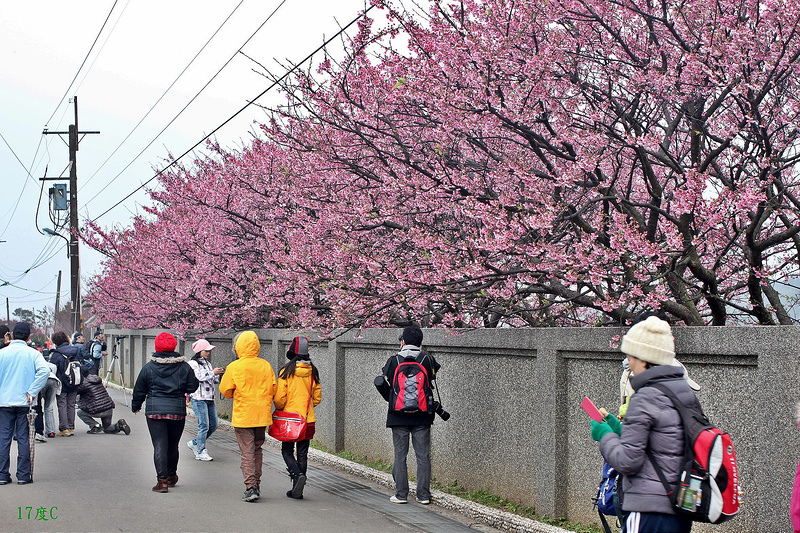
{"points": [[614, 423], [599, 429]]}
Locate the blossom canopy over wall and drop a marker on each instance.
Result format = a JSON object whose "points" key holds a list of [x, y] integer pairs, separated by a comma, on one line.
{"points": [[564, 162]]}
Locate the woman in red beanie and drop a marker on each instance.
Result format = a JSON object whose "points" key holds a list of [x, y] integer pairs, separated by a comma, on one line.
{"points": [[164, 381]]}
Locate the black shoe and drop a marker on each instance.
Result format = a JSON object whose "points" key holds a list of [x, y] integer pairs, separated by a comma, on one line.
{"points": [[289, 495], [123, 426], [297, 486], [5, 481], [24, 482]]}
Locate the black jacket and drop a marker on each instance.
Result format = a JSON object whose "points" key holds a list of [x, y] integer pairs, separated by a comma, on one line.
{"points": [[93, 396], [395, 418], [164, 381]]}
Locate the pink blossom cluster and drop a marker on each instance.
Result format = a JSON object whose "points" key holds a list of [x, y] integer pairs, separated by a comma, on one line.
{"points": [[493, 163]]}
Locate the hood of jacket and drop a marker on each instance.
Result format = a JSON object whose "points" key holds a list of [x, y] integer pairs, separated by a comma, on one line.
{"points": [[166, 363], [409, 351], [72, 352], [247, 345], [656, 374]]}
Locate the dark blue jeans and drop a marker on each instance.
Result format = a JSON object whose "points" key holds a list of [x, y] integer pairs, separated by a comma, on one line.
{"points": [[14, 420], [165, 435], [636, 522]]}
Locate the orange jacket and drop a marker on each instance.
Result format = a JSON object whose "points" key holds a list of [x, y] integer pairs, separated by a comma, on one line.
{"points": [[250, 381], [292, 393]]}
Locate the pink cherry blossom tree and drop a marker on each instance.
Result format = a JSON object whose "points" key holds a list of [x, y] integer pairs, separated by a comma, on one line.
{"points": [[495, 163]]}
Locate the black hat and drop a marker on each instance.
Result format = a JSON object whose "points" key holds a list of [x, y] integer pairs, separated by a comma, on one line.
{"points": [[76, 335], [22, 330], [299, 346], [412, 336]]}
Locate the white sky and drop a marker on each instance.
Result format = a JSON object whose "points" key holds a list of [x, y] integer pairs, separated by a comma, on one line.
{"points": [[141, 51]]}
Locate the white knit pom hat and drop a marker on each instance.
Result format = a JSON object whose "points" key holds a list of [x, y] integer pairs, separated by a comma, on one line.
{"points": [[650, 341]]}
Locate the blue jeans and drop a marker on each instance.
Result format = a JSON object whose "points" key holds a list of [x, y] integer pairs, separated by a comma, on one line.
{"points": [[206, 413], [421, 439], [15, 420]]}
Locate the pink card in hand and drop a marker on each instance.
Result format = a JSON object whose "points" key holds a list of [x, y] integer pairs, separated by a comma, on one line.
{"points": [[591, 410]]}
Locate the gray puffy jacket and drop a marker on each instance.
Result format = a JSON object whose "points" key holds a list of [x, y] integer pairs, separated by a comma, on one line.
{"points": [[651, 421]]}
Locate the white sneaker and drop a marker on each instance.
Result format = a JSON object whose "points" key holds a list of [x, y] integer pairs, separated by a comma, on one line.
{"points": [[40, 438], [192, 446], [395, 499], [203, 456]]}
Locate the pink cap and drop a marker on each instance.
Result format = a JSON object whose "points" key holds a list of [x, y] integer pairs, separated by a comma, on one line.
{"points": [[201, 345]]}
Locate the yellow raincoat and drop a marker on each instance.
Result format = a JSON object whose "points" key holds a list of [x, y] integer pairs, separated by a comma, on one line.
{"points": [[250, 381], [293, 392]]}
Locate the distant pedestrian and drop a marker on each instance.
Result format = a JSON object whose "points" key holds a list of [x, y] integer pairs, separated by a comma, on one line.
{"points": [[86, 359], [97, 349], [416, 424], [5, 336], [164, 381], [299, 391], [652, 425], [23, 373], [48, 396], [202, 399], [61, 356], [94, 402], [250, 381]]}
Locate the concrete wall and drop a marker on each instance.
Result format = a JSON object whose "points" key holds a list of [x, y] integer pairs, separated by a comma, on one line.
{"points": [[517, 429]]}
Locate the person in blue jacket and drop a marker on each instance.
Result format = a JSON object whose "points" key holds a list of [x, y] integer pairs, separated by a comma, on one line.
{"points": [[23, 373]]}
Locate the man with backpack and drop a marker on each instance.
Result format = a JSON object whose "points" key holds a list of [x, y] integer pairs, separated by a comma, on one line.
{"points": [[68, 370], [411, 411], [653, 431]]}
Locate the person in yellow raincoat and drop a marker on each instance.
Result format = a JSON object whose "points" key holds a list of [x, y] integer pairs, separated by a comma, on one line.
{"points": [[298, 391], [250, 381]]}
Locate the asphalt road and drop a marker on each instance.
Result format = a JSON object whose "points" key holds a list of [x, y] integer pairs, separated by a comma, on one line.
{"points": [[102, 483]]}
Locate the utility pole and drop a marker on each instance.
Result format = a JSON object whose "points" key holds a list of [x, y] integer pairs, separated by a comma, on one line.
{"points": [[75, 269]]}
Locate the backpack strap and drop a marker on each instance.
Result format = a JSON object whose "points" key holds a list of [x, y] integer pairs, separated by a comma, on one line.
{"points": [[685, 415]]}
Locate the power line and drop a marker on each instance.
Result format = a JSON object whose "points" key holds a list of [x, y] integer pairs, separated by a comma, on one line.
{"points": [[157, 102], [83, 63], [181, 112], [274, 84]]}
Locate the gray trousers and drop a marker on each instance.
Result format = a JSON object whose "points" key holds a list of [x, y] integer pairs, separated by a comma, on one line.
{"points": [[104, 416], [421, 439]]}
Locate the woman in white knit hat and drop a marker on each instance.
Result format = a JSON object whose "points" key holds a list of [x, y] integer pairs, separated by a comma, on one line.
{"points": [[625, 389], [651, 422]]}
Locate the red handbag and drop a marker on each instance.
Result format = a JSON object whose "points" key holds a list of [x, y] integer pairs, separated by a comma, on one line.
{"points": [[288, 426]]}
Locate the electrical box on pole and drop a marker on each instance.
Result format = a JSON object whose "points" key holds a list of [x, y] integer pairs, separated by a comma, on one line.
{"points": [[58, 197]]}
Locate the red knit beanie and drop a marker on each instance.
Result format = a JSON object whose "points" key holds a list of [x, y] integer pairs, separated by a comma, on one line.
{"points": [[165, 342]]}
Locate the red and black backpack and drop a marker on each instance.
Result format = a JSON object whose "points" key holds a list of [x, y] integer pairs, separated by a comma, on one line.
{"points": [[708, 482], [411, 387]]}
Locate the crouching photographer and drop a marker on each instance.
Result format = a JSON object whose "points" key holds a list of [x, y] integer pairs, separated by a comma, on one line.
{"points": [[406, 382]]}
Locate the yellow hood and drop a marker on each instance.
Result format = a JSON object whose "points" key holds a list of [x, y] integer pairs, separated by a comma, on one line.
{"points": [[247, 345]]}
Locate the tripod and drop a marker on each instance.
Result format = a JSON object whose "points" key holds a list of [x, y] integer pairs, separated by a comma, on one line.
{"points": [[115, 359]]}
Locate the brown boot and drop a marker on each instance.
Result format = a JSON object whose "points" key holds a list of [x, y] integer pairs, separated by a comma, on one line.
{"points": [[172, 480], [161, 486]]}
